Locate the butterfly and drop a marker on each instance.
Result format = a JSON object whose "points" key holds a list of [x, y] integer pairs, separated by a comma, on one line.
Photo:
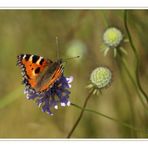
{"points": [[39, 74]]}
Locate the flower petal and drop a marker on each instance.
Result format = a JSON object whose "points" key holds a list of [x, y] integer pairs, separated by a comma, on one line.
{"points": [[70, 79]]}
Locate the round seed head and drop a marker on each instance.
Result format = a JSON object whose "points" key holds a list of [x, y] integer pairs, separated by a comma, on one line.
{"points": [[101, 77], [112, 37]]}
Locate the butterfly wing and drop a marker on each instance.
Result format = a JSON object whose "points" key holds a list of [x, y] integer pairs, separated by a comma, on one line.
{"points": [[38, 73], [49, 76]]}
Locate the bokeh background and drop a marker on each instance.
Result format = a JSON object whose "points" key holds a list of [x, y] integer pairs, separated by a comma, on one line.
{"points": [[80, 33]]}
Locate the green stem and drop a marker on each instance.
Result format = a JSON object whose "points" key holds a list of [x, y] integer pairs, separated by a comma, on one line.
{"points": [[104, 18], [123, 82], [133, 81], [136, 56], [81, 114], [108, 117]]}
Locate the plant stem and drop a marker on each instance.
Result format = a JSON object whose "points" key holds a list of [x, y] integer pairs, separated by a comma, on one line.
{"points": [[108, 117], [123, 82], [136, 56], [81, 114], [104, 18], [124, 63]]}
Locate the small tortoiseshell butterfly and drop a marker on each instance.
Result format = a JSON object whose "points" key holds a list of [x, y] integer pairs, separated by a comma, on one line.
{"points": [[39, 74]]}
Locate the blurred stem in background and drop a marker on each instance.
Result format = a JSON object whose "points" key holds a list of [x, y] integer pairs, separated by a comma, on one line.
{"points": [[123, 82], [136, 57], [110, 118], [133, 81], [77, 25], [104, 17]]}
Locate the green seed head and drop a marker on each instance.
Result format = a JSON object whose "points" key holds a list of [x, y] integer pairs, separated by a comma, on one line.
{"points": [[101, 77], [112, 37]]}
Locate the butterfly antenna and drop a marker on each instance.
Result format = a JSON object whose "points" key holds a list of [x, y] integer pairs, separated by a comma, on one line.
{"points": [[58, 57], [57, 44], [71, 58]]}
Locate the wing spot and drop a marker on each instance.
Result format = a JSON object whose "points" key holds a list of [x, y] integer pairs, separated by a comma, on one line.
{"points": [[37, 70]]}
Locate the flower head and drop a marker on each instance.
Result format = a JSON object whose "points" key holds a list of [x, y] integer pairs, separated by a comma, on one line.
{"points": [[112, 39], [100, 77], [50, 99]]}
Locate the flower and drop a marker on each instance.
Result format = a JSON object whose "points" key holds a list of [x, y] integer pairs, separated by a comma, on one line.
{"points": [[58, 93], [100, 78], [112, 39]]}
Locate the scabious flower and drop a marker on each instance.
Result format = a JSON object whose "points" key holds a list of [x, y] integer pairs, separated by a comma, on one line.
{"points": [[50, 99], [113, 39], [100, 78]]}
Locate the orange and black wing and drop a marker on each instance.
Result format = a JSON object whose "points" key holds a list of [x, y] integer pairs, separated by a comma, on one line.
{"points": [[38, 73], [31, 66]]}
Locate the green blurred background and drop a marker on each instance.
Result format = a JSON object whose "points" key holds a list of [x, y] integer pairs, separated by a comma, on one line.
{"points": [[80, 33]]}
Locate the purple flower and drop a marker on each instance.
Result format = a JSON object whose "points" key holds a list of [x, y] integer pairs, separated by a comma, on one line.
{"points": [[57, 94]]}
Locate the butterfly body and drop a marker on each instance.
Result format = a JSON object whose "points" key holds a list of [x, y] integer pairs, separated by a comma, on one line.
{"points": [[39, 74]]}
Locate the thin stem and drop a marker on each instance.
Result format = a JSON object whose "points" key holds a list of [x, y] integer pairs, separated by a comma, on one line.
{"points": [[132, 115], [105, 19], [125, 65], [108, 117], [133, 81], [81, 114], [136, 56], [57, 44]]}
